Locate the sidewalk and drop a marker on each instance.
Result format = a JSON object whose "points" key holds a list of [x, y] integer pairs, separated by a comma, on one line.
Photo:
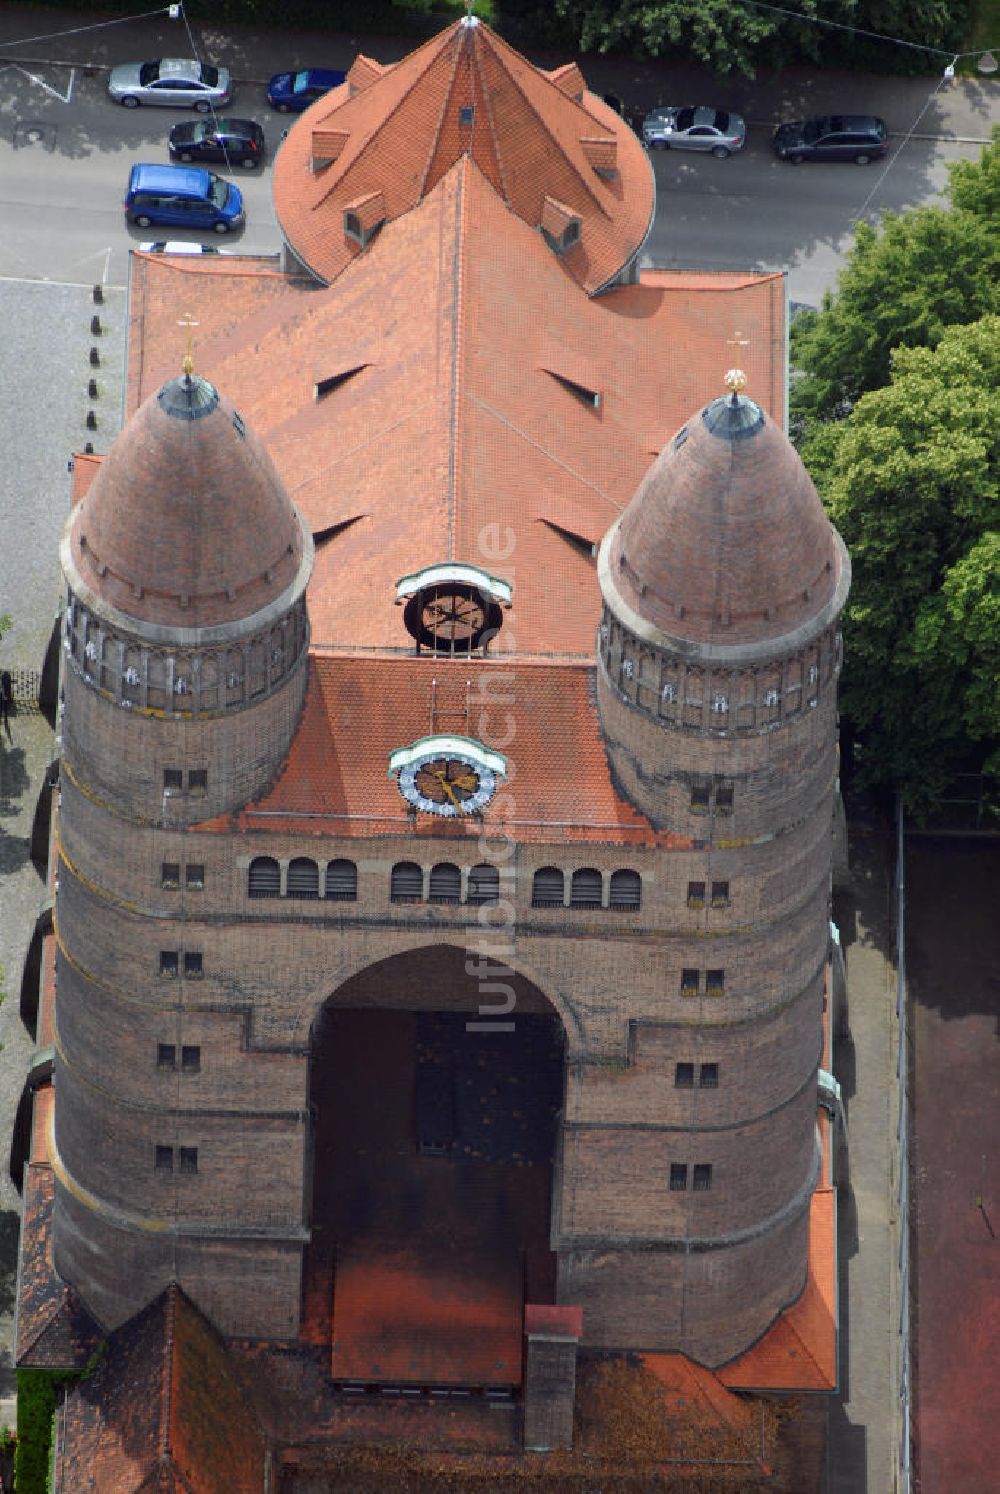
{"points": [[963, 110]]}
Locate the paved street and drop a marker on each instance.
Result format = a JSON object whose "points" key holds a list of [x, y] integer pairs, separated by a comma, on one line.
{"points": [[65, 150]]}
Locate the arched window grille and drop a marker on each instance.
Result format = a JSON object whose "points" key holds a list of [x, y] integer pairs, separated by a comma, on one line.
{"points": [[303, 878], [484, 885], [445, 883], [265, 877], [341, 881], [407, 883], [626, 889], [586, 889], [548, 888]]}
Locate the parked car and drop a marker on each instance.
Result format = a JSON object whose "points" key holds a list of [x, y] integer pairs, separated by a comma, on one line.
{"points": [[832, 137], [180, 246], [178, 81], [182, 197], [290, 93], [234, 142], [694, 128]]}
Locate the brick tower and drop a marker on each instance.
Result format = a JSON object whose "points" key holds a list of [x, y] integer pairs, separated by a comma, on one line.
{"points": [[718, 660], [186, 642]]}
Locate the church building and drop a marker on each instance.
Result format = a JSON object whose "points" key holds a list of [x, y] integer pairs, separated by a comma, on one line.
{"points": [[439, 988]]}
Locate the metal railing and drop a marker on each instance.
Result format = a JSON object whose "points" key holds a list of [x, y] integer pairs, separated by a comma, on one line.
{"points": [[904, 1472]]}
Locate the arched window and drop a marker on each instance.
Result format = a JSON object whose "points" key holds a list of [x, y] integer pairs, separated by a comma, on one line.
{"points": [[407, 884], [265, 877], [626, 889], [586, 889], [445, 884], [341, 881], [484, 885], [548, 888], [303, 878]]}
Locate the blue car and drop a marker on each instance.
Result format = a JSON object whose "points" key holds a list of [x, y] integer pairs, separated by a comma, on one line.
{"points": [[182, 197], [290, 93]]}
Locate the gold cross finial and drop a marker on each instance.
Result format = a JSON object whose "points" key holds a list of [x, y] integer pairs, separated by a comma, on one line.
{"points": [[188, 321], [737, 341], [735, 378]]}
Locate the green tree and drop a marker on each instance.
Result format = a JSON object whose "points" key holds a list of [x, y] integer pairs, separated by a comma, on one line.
{"points": [[725, 35], [912, 481], [902, 285]]}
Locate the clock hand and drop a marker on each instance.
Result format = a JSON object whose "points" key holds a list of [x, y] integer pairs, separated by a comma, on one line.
{"points": [[441, 776]]}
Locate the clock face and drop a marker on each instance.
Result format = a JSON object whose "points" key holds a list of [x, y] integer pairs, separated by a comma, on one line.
{"points": [[451, 617], [447, 785]]}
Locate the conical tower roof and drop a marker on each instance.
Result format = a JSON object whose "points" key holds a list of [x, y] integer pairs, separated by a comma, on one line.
{"points": [[554, 153], [187, 523], [725, 542]]}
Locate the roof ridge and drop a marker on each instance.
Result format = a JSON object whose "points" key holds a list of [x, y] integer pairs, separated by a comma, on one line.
{"points": [[167, 1367], [435, 139]]}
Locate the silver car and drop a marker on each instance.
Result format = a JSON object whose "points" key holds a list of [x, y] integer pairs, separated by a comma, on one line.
{"points": [[177, 81], [693, 128]]}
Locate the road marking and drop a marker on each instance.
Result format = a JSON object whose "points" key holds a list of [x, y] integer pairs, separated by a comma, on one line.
{"points": [[63, 98]]}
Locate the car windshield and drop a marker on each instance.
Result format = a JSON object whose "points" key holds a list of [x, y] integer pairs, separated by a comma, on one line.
{"points": [[300, 82], [149, 72], [209, 75], [220, 192], [721, 121], [200, 130], [684, 120]]}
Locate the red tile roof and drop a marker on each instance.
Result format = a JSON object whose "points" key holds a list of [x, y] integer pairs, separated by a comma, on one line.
{"points": [[799, 1351], [161, 1411], [405, 129], [335, 779], [458, 436], [432, 1319], [693, 1395], [54, 1329]]}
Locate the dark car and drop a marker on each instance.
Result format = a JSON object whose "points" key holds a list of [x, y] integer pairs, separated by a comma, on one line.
{"points": [[234, 142], [293, 92], [832, 137]]}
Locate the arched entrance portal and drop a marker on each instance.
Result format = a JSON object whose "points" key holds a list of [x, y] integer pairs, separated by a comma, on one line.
{"points": [[436, 1115]]}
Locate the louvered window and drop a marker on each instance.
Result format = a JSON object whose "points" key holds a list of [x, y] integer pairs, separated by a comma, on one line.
{"points": [[587, 889], [342, 881], [265, 877], [446, 883], [484, 884], [303, 878], [626, 889], [407, 885], [548, 888]]}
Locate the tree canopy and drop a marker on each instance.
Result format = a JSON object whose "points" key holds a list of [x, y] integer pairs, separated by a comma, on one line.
{"points": [[912, 481], [902, 286], [737, 35]]}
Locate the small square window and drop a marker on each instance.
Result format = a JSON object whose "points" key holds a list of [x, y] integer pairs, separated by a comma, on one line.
{"points": [[678, 1177], [715, 983], [173, 780], [708, 1076], [189, 1159], [702, 1175], [724, 798], [166, 1056], [466, 116], [170, 874], [191, 1060], [700, 796], [164, 1159], [198, 781], [193, 963], [169, 961], [689, 982], [696, 894], [720, 894], [684, 1076], [194, 875]]}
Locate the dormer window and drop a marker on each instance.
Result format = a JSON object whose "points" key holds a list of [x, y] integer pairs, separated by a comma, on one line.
{"points": [[466, 116], [364, 217], [352, 227], [560, 225]]}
